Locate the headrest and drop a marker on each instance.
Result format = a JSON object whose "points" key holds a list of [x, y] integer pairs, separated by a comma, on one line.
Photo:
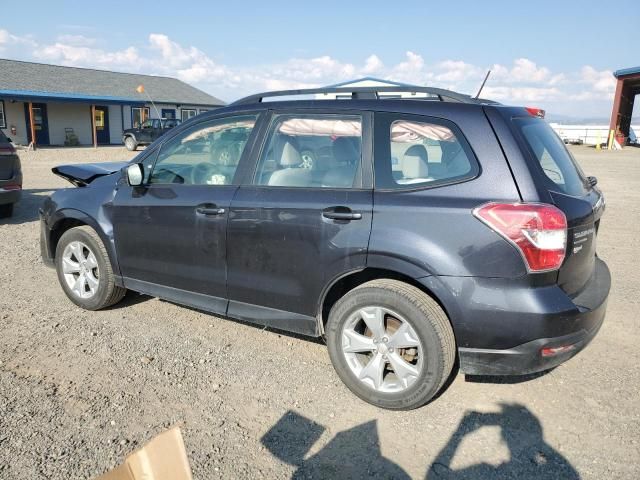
{"points": [[418, 151], [345, 151], [414, 163], [290, 156]]}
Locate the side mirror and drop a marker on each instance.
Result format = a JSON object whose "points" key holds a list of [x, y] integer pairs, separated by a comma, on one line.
{"points": [[135, 174]]}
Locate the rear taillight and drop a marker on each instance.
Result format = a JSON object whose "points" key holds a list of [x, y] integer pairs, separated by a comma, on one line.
{"points": [[538, 231], [12, 186], [535, 112], [7, 149]]}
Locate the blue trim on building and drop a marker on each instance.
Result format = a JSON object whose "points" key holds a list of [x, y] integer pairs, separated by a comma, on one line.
{"points": [[626, 71], [26, 95]]}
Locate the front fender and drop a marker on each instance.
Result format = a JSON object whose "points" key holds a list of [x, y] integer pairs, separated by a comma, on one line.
{"points": [[104, 231], [90, 205]]}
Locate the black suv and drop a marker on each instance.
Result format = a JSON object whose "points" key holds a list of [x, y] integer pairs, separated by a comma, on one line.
{"points": [[10, 177], [413, 235], [148, 132]]}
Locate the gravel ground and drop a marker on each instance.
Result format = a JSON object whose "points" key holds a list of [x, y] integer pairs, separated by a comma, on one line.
{"points": [[79, 390]]}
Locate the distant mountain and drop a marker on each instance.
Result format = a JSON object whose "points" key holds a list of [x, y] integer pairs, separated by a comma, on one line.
{"points": [[569, 120]]}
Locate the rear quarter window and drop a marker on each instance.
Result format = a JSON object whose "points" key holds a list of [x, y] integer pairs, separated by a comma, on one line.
{"points": [[420, 152], [560, 169]]}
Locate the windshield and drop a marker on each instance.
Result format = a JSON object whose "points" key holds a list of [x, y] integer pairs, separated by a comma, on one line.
{"points": [[554, 159]]}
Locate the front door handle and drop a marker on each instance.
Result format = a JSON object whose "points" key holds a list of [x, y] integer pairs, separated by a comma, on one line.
{"points": [[209, 209], [341, 213]]}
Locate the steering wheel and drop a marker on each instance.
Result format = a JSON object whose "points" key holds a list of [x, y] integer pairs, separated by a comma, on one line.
{"points": [[205, 173]]}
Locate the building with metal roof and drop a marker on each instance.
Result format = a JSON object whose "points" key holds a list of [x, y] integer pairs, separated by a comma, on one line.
{"points": [[372, 82], [62, 105], [627, 87]]}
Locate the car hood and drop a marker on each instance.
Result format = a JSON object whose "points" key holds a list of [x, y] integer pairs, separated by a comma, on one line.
{"points": [[82, 174]]}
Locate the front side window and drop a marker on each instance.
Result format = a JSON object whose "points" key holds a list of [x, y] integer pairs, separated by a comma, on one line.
{"points": [[322, 151], [187, 113], [416, 154], [205, 154]]}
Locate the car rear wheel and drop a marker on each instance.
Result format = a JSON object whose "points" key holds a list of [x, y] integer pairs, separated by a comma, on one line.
{"points": [[84, 270], [6, 210], [391, 344], [130, 143]]}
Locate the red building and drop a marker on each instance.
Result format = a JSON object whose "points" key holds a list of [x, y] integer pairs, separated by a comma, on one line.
{"points": [[628, 86]]}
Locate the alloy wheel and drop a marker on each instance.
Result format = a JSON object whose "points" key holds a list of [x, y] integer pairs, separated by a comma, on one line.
{"points": [[382, 349], [80, 269]]}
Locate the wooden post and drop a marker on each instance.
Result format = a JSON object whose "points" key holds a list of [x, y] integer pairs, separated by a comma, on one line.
{"points": [[32, 125], [93, 126]]}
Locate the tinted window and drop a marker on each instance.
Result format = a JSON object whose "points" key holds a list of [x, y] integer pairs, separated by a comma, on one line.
{"points": [[420, 153], [322, 151], [206, 154], [553, 157]]}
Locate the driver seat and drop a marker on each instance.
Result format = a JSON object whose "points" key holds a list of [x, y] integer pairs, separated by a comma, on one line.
{"points": [[290, 175]]}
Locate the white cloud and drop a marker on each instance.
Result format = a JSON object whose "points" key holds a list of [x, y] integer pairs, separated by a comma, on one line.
{"points": [[372, 65], [601, 81], [522, 81]]}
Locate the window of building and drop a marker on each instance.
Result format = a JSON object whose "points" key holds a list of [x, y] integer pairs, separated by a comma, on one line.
{"points": [[139, 115], [3, 119], [312, 151], [205, 154], [202, 110], [188, 113]]}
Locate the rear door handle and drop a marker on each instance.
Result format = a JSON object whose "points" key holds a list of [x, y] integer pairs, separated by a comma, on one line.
{"points": [[209, 209], [341, 213]]}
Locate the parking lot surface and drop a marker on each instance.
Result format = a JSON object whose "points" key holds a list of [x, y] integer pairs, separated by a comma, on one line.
{"points": [[79, 390]]}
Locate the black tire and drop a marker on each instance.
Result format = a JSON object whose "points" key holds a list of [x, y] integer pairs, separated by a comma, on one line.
{"points": [[6, 210], [427, 319], [130, 143], [107, 292]]}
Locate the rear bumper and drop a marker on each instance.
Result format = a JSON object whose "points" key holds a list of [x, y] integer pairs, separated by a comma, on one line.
{"points": [[503, 328], [9, 196], [527, 358]]}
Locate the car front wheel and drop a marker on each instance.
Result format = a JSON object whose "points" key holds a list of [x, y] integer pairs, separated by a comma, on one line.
{"points": [[391, 344], [130, 143], [84, 270]]}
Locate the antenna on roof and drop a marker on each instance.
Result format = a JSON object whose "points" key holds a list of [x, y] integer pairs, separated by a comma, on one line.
{"points": [[483, 82]]}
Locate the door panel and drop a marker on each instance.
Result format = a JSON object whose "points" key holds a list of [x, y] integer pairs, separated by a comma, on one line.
{"points": [[102, 126], [305, 219], [40, 121], [283, 251], [161, 238], [170, 234]]}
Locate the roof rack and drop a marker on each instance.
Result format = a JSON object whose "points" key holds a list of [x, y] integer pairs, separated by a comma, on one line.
{"points": [[366, 93]]}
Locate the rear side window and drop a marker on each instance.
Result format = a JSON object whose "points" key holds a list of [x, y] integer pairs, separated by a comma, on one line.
{"points": [[559, 167], [416, 152]]}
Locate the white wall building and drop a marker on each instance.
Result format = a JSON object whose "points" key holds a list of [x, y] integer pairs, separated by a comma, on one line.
{"points": [[372, 82], [62, 99]]}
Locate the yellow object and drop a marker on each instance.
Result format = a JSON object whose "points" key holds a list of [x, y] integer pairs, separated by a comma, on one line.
{"points": [[610, 142], [140, 89]]}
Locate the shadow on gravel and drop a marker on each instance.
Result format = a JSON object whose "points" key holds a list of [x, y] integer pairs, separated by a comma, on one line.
{"points": [[355, 453], [506, 379], [521, 431], [26, 210]]}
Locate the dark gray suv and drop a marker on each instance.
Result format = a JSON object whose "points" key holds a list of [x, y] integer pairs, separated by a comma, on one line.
{"points": [[10, 177], [415, 236]]}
